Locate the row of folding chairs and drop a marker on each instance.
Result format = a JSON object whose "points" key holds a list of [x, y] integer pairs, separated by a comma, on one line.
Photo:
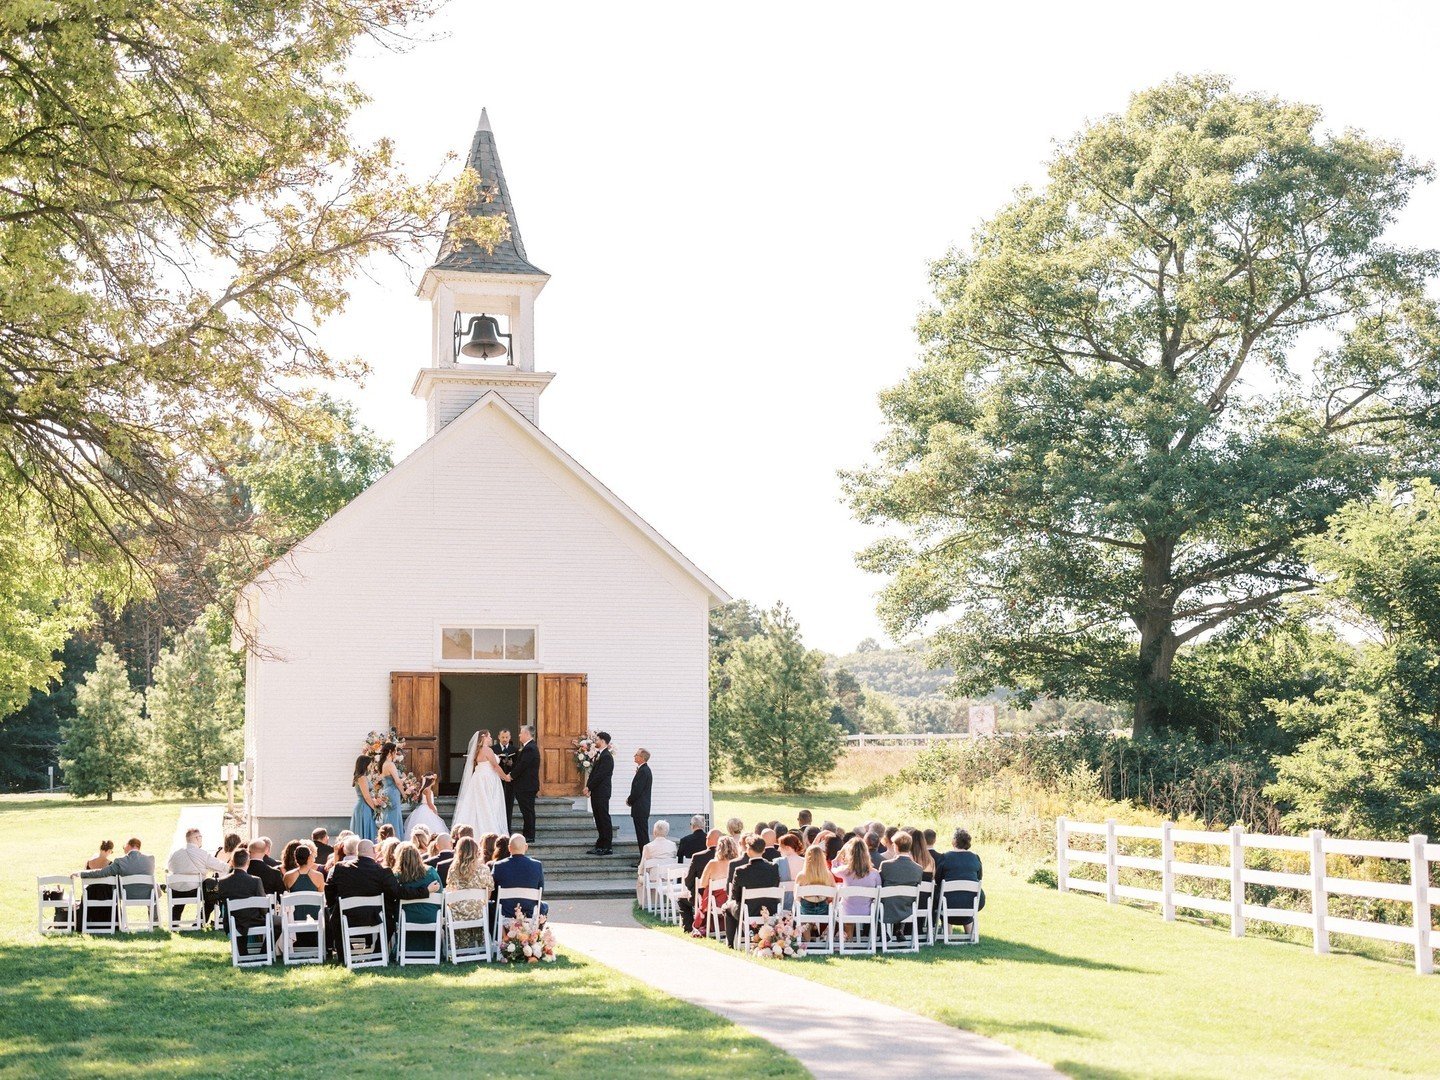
{"points": [[365, 940], [133, 906]]}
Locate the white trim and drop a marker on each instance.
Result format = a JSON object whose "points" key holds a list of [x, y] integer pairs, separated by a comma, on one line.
{"points": [[488, 664]]}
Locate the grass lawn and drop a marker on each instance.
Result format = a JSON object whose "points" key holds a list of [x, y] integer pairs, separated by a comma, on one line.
{"points": [[1102, 991], [139, 1004]]}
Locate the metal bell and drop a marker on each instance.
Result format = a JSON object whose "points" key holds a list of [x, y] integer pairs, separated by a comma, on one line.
{"points": [[482, 339]]}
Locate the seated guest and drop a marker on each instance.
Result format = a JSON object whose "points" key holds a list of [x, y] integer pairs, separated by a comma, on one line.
{"points": [[304, 876], [815, 871], [715, 876], [99, 861], [772, 844], [832, 843], [691, 845], [287, 856], [270, 876], [337, 853], [195, 860], [743, 858], [756, 873], [320, 841], [459, 832], [228, 848], [792, 857], [502, 850], [443, 857], [803, 820], [809, 833], [736, 828], [487, 847], [239, 884], [468, 872], [874, 846], [899, 869], [132, 863], [365, 877], [930, 839], [698, 862], [660, 847], [265, 856], [410, 869], [958, 864], [385, 832], [920, 852], [852, 867], [518, 871], [385, 852], [421, 839]]}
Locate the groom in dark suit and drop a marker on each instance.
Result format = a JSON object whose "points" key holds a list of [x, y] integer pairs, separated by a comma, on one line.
{"points": [[525, 780], [598, 788]]}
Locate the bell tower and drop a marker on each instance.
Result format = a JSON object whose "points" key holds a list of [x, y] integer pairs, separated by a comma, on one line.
{"points": [[482, 307]]}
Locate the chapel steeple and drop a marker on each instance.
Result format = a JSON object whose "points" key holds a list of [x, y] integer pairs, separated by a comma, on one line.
{"points": [[467, 282]]}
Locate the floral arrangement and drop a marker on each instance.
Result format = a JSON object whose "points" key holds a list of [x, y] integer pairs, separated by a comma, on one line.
{"points": [[374, 740], [585, 749], [777, 938], [411, 786], [524, 943]]}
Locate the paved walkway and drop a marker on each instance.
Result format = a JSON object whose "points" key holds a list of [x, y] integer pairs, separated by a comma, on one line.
{"points": [[829, 1031]]}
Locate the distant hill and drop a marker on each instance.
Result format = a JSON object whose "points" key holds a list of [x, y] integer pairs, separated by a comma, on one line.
{"points": [[901, 672]]}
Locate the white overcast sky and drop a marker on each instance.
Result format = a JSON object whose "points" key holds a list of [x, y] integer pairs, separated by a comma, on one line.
{"points": [[737, 204]]}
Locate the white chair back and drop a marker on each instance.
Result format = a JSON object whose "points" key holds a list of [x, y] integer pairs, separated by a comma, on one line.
{"points": [[98, 915], [480, 924], [302, 913], [959, 901], [184, 891], [407, 949], [824, 922], [926, 912], [751, 915], [363, 945], [888, 936], [57, 915], [138, 891], [506, 908], [860, 925], [650, 881], [714, 911], [672, 890], [263, 934]]}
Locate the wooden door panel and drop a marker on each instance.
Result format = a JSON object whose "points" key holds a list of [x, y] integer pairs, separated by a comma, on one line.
{"points": [[415, 716], [561, 716]]}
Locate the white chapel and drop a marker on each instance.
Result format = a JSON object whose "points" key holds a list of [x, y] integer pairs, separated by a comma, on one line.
{"points": [[486, 581]]}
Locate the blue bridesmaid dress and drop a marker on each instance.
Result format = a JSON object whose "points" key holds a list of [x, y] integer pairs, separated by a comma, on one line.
{"points": [[362, 818], [393, 815]]}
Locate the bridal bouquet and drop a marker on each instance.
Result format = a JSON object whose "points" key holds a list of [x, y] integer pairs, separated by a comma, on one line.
{"points": [[522, 943], [777, 938], [585, 748]]}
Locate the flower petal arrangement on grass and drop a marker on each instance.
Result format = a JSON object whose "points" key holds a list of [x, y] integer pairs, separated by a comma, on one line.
{"points": [[522, 942], [777, 938]]}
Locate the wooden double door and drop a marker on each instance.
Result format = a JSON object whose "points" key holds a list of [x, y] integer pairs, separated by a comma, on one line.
{"points": [[561, 716]]}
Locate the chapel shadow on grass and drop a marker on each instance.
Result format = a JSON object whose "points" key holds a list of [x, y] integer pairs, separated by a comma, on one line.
{"points": [[143, 1002]]}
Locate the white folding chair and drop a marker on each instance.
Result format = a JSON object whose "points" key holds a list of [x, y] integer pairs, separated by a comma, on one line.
{"points": [[926, 912], [815, 894], [57, 915], [959, 900], [751, 916], [672, 890], [505, 915], [714, 911], [302, 913], [138, 891], [460, 954], [433, 931], [183, 891], [787, 902], [363, 945], [888, 938], [98, 915], [850, 926], [649, 873], [265, 932]]}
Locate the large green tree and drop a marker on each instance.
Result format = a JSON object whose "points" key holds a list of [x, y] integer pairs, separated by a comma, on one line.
{"points": [[102, 745], [1142, 384], [196, 706]]}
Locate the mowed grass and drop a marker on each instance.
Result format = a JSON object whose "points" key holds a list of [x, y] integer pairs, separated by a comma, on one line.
{"points": [[1114, 991], [142, 1004]]}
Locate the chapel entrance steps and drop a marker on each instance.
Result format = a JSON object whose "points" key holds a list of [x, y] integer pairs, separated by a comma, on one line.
{"points": [[563, 834]]}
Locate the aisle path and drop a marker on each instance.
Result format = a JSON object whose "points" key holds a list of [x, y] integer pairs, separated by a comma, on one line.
{"points": [[829, 1031]]}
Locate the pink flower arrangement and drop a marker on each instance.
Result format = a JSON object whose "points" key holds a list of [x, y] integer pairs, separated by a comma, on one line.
{"points": [[585, 749], [524, 943], [777, 938]]}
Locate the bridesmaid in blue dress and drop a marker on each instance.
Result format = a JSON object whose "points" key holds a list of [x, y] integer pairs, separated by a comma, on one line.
{"points": [[362, 818], [390, 785]]}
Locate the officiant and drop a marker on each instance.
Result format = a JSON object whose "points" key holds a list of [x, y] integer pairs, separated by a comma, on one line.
{"points": [[505, 750]]}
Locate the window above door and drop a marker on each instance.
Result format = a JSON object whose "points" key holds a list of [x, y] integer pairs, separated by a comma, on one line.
{"points": [[505, 646]]}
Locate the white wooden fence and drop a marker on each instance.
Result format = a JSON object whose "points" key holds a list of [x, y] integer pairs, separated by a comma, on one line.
{"points": [[924, 738], [1418, 892]]}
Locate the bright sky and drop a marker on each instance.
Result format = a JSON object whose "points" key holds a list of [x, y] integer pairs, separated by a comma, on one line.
{"points": [[737, 204]]}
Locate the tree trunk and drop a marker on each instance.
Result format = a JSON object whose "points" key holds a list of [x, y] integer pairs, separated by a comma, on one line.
{"points": [[1158, 645]]}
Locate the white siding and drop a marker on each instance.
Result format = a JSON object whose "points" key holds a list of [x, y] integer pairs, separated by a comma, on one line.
{"points": [[480, 526], [452, 399]]}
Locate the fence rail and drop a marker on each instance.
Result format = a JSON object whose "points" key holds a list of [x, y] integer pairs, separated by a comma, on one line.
{"points": [[1318, 882], [923, 738]]}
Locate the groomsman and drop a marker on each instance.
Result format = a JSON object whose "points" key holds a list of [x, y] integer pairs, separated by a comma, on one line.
{"points": [[598, 788], [525, 777], [506, 751], [639, 798]]}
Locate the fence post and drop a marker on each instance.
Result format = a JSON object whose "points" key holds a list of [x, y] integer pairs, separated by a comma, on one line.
{"points": [[1420, 909], [1062, 855], [1167, 871], [1112, 872], [1319, 898], [1237, 881]]}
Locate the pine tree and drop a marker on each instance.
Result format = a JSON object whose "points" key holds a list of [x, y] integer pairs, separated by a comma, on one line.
{"points": [[195, 708], [100, 747], [777, 707]]}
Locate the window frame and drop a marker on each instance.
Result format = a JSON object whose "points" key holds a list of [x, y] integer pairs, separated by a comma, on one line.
{"points": [[487, 664]]}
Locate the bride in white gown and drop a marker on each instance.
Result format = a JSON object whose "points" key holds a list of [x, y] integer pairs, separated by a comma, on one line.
{"points": [[481, 803]]}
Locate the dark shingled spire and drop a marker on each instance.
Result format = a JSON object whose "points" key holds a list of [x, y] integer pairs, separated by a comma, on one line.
{"points": [[509, 256]]}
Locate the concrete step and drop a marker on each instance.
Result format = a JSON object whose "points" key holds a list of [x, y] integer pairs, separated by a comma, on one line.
{"points": [[588, 888]]}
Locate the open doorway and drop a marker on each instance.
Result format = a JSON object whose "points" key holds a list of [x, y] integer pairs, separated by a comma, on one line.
{"points": [[471, 701]]}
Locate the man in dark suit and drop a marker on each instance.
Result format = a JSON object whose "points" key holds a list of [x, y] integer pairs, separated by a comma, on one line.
{"points": [[639, 798], [602, 770], [363, 876], [756, 873], [525, 780], [900, 869], [442, 860], [238, 884], [692, 845], [698, 862], [520, 871], [270, 876], [320, 840], [772, 845], [506, 751]]}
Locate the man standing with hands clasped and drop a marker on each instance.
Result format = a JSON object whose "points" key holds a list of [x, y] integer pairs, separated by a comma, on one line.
{"points": [[639, 798], [525, 779], [598, 788]]}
